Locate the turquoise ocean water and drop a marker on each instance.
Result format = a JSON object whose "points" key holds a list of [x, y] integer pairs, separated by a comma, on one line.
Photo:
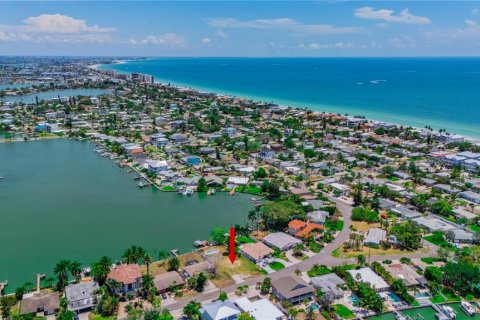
{"points": [[440, 92]]}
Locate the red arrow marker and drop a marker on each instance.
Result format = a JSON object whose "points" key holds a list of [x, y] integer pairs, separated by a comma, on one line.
{"points": [[232, 245]]}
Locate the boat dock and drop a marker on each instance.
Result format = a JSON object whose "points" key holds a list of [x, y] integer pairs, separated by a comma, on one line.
{"points": [[175, 252]]}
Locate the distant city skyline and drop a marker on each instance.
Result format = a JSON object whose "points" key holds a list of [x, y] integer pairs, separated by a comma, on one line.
{"points": [[241, 29]]}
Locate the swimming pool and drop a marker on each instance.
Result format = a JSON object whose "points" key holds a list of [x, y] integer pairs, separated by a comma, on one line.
{"points": [[211, 251], [353, 299], [314, 307], [423, 295], [393, 297]]}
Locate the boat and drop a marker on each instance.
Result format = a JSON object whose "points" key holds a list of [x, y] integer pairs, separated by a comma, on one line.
{"points": [[188, 192], [468, 308], [1, 177], [211, 192], [449, 312]]}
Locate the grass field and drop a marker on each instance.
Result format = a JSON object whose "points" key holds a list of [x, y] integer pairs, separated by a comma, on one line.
{"points": [[343, 312], [275, 265], [440, 242], [363, 226], [225, 270]]}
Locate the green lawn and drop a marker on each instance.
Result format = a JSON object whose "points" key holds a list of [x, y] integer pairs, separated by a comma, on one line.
{"points": [[451, 297], [318, 271], [275, 265], [244, 239], [315, 247], [343, 312], [168, 188], [253, 189], [430, 260], [474, 227], [441, 243], [334, 226], [437, 298]]}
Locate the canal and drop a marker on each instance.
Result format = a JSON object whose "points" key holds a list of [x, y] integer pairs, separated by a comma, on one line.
{"points": [[61, 200], [425, 313]]}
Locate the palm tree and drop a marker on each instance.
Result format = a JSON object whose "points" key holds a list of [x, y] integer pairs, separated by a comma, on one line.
{"points": [[292, 313], [61, 270], [192, 310], [101, 269], [148, 260], [309, 314], [75, 269], [361, 260]]}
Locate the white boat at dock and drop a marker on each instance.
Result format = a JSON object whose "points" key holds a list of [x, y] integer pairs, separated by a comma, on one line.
{"points": [[449, 312], [468, 308]]}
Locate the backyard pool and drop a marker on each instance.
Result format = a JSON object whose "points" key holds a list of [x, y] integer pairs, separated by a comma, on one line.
{"points": [[423, 295], [353, 299], [314, 307], [393, 297], [211, 252]]}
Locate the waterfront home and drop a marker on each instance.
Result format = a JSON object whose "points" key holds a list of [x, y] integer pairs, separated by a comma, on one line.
{"points": [[193, 269], [44, 302], [157, 165], [292, 289], [128, 276], [167, 281], [236, 181], [281, 241], [220, 310], [255, 252], [405, 273], [261, 309], [329, 284], [81, 296], [367, 275], [375, 237]]}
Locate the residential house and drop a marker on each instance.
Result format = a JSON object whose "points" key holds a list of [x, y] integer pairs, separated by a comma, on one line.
{"points": [[261, 309], [157, 165], [255, 252], [193, 269], [220, 310], [375, 237], [128, 276], [292, 289], [367, 275], [329, 284], [81, 296], [45, 302], [281, 241], [168, 280]]}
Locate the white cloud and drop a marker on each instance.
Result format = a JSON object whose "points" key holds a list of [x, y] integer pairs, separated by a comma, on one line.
{"points": [[221, 34], [58, 23], [389, 16], [206, 40], [55, 28], [468, 35], [337, 45], [169, 39], [281, 24]]}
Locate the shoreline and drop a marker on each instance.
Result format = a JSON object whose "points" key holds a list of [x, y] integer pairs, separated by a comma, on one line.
{"points": [[318, 107]]}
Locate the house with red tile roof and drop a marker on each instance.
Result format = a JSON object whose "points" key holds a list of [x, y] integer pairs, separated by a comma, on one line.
{"points": [[302, 229], [128, 276]]}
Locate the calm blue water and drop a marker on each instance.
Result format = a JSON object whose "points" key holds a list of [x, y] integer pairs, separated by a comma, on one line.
{"points": [[441, 92]]}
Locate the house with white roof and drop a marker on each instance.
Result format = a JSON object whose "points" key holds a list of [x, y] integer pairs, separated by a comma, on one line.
{"points": [[260, 309], [367, 275]]}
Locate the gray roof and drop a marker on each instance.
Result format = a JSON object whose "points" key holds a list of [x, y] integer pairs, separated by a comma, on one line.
{"points": [[405, 212], [167, 280], [318, 216], [291, 286], [280, 240], [329, 283], [80, 291], [204, 266], [48, 301], [316, 204], [375, 235]]}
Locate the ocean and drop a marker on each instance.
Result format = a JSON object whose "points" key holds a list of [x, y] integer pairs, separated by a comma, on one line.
{"points": [[440, 92]]}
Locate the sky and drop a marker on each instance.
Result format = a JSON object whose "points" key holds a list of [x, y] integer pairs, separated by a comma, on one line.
{"points": [[240, 28]]}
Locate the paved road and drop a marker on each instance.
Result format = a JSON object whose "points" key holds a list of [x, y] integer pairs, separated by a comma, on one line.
{"points": [[324, 257]]}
